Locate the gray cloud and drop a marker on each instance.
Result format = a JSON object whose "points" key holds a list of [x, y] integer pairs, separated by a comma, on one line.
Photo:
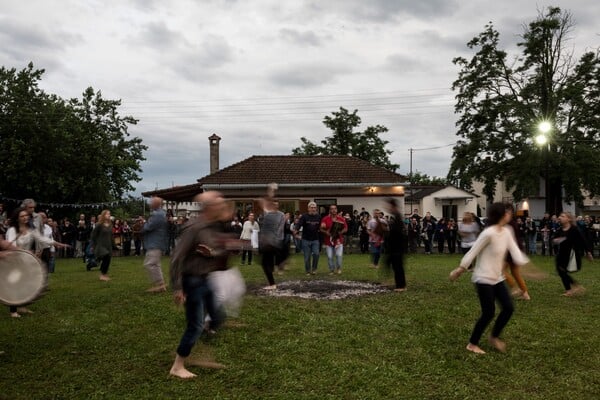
{"points": [[158, 35], [34, 43], [305, 38], [195, 61], [307, 75], [401, 63], [384, 10]]}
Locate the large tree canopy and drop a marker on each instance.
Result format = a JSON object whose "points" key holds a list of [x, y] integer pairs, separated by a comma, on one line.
{"points": [[502, 101], [366, 145], [54, 150]]}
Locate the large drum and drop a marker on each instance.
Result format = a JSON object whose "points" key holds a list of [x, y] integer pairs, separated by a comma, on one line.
{"points": [[22, 277]]}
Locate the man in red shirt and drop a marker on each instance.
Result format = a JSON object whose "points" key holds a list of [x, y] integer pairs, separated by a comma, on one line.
{"points": [[333, 227]]}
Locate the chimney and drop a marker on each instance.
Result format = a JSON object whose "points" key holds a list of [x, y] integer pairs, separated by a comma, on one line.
{"points": [[214, 153]]}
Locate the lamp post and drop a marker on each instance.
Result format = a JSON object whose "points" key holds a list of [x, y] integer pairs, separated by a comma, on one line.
{"points": [[544, 128]]}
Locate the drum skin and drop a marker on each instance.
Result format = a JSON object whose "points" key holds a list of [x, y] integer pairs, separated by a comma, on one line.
{"points": [[22, 277]]}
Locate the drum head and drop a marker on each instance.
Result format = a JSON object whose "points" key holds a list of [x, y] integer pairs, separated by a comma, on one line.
{"points": [[22, 277]]}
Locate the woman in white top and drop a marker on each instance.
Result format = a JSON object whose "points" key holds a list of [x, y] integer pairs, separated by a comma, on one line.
{"points": [[249, 226], [490, 248], [21, 235]]}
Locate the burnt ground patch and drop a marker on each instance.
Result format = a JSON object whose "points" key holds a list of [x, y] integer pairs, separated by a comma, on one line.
{"points": [[321, 289]]}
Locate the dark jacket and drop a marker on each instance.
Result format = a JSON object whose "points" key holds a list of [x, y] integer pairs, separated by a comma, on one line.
{"points": [[187, 260]]}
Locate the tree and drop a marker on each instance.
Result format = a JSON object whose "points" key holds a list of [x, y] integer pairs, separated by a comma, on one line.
{"points": [[420, 179], [74, 151], [501, 104], [366, 145]]}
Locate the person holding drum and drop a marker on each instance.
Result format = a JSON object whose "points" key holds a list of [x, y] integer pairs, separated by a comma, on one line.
{"points": [[24, 237], [334, 227]]}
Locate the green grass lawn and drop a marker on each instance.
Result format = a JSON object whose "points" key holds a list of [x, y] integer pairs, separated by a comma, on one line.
{"points": [[90, 339]]}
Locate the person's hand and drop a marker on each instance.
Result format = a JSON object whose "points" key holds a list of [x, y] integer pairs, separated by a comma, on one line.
{"points": [[456, 273], [179, 297]]}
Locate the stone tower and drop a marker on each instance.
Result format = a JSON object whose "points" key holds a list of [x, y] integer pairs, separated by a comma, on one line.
{"points": [[214, 153]]}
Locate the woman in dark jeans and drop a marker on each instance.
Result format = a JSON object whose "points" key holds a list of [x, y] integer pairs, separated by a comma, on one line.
{"points": [[490, 249]]}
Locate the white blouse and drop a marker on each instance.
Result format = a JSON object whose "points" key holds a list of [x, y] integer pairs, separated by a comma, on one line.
{"points": [[27, 240]]}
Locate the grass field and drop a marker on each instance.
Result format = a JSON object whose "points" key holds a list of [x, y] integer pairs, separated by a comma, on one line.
{"points": [[94, 340]]}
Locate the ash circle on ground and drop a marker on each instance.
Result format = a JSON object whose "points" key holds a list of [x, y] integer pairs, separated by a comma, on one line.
{"points": [[323, 289]]}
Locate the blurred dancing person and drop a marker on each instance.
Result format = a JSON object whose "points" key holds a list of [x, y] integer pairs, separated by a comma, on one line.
{"points": [[101, 243], [568, 238], [199, 252], [395, 244], [156, 241], [490, 249]]}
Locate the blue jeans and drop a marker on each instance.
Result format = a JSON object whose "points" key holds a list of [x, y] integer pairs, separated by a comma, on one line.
{"points": [[199, 296], [375, 253], [334, 257], [532, 244], [310, 247]]}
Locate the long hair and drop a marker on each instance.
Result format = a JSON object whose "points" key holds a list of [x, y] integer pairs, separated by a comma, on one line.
{"points": [[570, 217], [103, 218], [495, 213], [14, 220]]}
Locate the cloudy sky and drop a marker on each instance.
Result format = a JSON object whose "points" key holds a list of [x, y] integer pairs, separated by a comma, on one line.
{"points": [[261, 74]]}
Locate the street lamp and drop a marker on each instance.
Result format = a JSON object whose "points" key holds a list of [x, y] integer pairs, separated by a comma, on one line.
{"points": [[544, 128]]}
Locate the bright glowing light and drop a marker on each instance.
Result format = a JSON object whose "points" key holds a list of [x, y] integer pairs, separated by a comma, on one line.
{"points": [[541, 139], [545, 127]]}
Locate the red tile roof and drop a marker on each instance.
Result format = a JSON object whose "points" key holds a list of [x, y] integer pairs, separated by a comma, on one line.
{"points": [[302, 169]]}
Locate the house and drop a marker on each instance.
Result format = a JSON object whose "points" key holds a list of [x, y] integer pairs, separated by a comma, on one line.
{"points": [[534, 205], [348, 182], [441, 201]]}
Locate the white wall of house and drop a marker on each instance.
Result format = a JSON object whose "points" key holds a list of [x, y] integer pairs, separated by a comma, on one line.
{"points": [[448, 196]]}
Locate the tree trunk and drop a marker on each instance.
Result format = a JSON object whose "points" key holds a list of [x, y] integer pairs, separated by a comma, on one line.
{"points": [[554, 196]]}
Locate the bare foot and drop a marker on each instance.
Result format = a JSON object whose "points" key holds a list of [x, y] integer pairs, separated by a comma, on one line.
{"points": [[24, 310], [104, 278], [182, 373], [497, 344], [401, 289], [272, 287], [525, 296], [568, 293], [15, 315], [475, 349]]}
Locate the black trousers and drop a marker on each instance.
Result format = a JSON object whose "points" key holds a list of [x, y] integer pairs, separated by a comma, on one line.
{"points": [[565, 277], [104, 264], [268, 264], [488, 294], [396, 261]]}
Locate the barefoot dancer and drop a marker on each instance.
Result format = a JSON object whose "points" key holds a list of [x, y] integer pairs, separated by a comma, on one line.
{"points": [[566, 239], [199, 252], [490, 248]]}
